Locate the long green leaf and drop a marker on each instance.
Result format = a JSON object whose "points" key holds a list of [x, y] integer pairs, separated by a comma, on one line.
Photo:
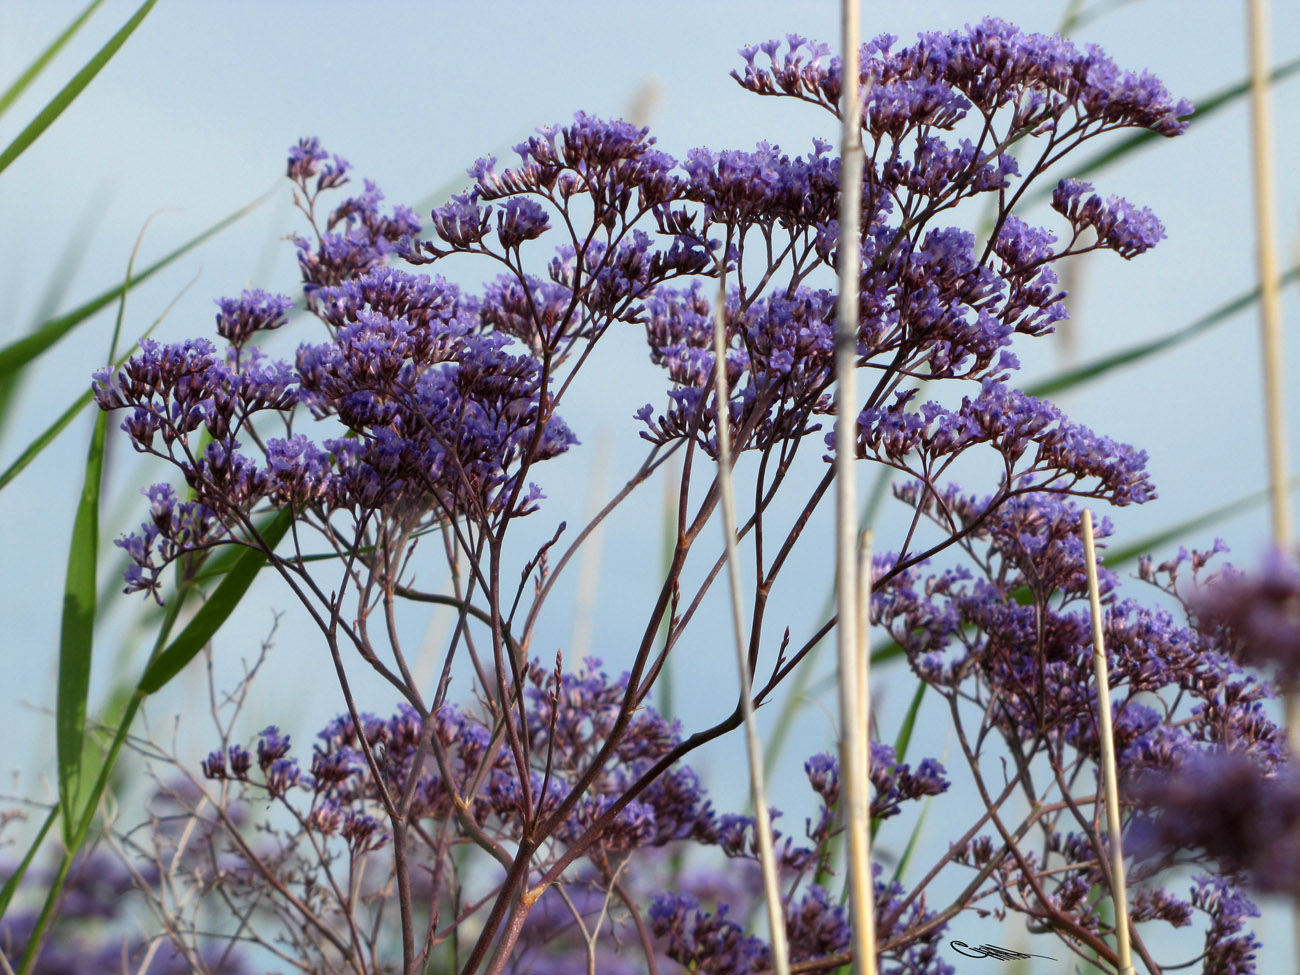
{"points": [[911, 842], [16, 878], [18, 353], [77, 636], [1149, 543], [1205, 107], [34, 70], [49, 908], [62, 272], [1144, 350], [47, 436], [904, 739], [45, 118], [162, 667], [44, 439], [214, 612]]}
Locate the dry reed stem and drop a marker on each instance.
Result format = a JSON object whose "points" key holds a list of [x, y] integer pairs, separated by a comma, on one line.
{"points": [[1106, 733], [753, 745], [1270, 302], [1266, 253], [854, 748]]}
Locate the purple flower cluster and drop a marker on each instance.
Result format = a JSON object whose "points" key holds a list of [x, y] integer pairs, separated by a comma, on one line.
{"points": [[1258, 614], [1225, 807], [440, 403], [1119, 225], [565, 730], [1198, 755], [340, 797], [442, 421], [896, 783], [930, 305], [706, 942], [817, 929], [1021, 631], [987, 68], [1064, 455]]}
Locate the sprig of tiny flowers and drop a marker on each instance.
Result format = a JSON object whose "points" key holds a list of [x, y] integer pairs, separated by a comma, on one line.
{"points": [[337, 800]]}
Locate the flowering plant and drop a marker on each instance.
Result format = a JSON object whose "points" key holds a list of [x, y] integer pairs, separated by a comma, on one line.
{"points": [[539, 825]]}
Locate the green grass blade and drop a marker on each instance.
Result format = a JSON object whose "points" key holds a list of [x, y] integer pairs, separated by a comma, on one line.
{"points": [[218, 563], [77, 634], [14, 91], [904, 739], [61, 274], [1144, 350], [214, 612], [1147, 544], [887, 653], [76, 641], [49, 908], [65, 268], [45, 118], [16, 878], [43, 440], [911, 842], [47, 436], [1205, 107], [18, 353]]}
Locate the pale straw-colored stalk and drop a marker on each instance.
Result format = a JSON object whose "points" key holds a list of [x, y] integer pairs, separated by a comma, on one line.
{"points": [[855, 752], [856, 748], [1266, 251], [1270, 303], [1106, 733], [753, 745]]}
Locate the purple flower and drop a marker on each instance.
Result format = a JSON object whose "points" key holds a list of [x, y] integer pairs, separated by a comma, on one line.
{"points": [[240, 762], [308, 159], [1229, 950], [282, 775], [816, 927], [895, 782], [462, 223], [214, 766], [252, 311], [271, 745], [1010, 422], [823, 772], [1232, 811], [1119, 225], [362, 832], [704, 942], [519, 220], [1260, 612]]}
